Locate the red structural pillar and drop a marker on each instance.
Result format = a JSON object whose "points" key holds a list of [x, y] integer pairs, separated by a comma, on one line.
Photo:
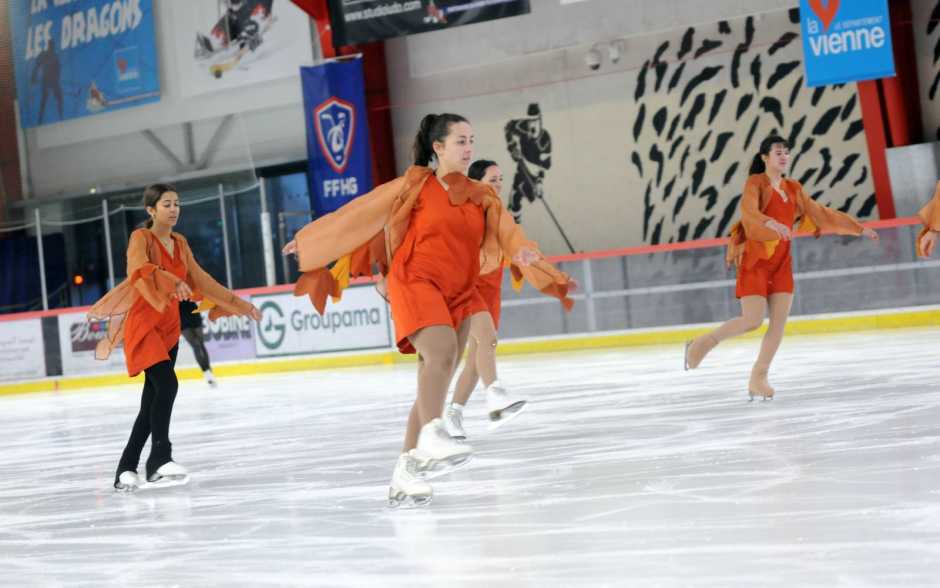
{"points": [[876, 137], [891, 106], [376, 81]]}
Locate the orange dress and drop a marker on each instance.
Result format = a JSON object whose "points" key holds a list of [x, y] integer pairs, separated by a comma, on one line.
{"points": [[761, 257], [142, 311], [370, 233], [432, 276], [763, 277], [490, 288], [150, 334]]}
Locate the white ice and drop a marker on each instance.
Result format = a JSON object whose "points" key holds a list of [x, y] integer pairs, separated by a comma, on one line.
{"points": [[625, 471]]}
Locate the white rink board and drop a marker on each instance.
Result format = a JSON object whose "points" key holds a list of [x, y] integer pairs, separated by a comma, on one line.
{"points": [[291, 326], [22, 356]]}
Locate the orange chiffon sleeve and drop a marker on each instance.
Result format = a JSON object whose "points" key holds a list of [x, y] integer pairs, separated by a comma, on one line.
{"points": [[221, 300], [820, 219], [541, 274]]}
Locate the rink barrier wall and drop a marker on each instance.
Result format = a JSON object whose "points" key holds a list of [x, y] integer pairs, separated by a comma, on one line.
{"points": [[374, 344], [820, 325]]}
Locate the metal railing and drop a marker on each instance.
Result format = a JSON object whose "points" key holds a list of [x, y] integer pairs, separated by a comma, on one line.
{"points": [[39, 222]]}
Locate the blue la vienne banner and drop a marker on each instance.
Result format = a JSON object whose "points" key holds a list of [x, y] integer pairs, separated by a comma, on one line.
{"points": [[338, 152], [846, 41], [74, 58]]}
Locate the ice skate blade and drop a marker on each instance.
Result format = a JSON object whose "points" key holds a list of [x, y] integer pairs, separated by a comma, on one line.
{"points": [[125, 488], [685, 363], [498, 418], [751, 396], [437, 468], [404, 501], [164, 482]]}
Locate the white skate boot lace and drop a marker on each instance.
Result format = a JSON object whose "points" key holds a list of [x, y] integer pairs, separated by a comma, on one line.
{"points": [[456, 418], [411, 469]]}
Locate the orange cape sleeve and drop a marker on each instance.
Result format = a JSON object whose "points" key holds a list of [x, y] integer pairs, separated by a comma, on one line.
{"points": [[367, 232], [929, 216], [146, 280]]}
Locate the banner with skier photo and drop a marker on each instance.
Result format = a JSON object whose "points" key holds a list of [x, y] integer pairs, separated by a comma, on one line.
{"points": [[84, 57], [222, 44], [338, 152], [361, 21]]}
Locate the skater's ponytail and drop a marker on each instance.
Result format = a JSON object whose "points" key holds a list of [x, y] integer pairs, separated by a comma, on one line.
{"points": [[757, 165], [434, 128], [478, 168], [152, 195]]}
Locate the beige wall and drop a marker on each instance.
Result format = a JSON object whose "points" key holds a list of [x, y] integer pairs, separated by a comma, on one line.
{"points": [[593, 187]]}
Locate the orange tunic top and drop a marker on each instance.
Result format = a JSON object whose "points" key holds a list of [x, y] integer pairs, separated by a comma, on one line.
{"points": [[149, 334], [929, 215], [146, 300], [369, 232], [762, 277], [433, 274], [752, 241]]}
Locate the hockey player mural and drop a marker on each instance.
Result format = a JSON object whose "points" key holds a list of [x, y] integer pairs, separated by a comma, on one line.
{"points": [[240, 30], [530, 146], [238, 42]]}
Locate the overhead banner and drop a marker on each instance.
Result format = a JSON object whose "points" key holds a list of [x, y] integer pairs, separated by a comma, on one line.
{"points": [[83, 57], [291, 326], [226, 45], [361, 21], [339, 157], [846, 41]]}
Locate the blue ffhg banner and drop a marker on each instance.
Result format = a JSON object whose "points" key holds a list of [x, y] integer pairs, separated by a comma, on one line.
{"points": [[338, 152], [846, 41], [74, 58]]}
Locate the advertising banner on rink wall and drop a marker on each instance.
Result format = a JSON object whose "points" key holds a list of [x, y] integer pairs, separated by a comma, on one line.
{"points": [[81, 57], [291, 326], [77, 340], [231, 338], [339, 158], [22, 355], [361, 21], [227, 339], [846, 41]]}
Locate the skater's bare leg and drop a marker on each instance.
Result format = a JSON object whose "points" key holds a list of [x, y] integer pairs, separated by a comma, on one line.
{"points": [[780, 305], [753, 310], [468, 377], [438, 347], [483, 332], [481, 358]]}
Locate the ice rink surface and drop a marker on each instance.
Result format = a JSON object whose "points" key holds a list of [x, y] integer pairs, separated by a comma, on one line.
{"points": [[625, 471]]}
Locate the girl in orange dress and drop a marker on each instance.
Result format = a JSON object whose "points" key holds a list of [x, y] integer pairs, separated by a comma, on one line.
{"points": [[930, 217], [431, 232], [143, 314], [481, 352], [760, 248]]}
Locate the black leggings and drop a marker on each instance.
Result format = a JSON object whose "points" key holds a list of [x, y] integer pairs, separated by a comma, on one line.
{"points": [[196, 340], [153, 420]]}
